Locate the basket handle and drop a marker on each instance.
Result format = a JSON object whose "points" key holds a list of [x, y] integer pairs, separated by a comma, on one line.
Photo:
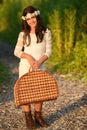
{"points": [[32, 69]]}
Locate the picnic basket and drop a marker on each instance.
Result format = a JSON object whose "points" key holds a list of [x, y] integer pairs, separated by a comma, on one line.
{"points": [[35, 86]]}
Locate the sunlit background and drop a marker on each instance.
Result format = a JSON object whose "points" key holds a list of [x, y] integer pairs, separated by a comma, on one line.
{"points": [[67, 20]]}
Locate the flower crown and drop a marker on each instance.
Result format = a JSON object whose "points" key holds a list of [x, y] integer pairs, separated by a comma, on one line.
{"points": [[30, 15]]}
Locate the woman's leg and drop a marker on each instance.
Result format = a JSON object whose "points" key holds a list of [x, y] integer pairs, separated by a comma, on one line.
{"points": [[38, 106], [28, 117], [26, 108], [38, 114]]}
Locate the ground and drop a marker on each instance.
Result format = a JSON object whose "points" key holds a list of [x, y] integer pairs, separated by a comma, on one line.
{"points": [[68, 112]]}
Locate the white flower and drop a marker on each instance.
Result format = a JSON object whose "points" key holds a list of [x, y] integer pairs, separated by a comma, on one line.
{"points": [[30, 15], [37, 12], [23, 18]]}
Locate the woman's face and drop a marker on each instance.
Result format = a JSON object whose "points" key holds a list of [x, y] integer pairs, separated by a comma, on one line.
{"points": [[32, 22]]}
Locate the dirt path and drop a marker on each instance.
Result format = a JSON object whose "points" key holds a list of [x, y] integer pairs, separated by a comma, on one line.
{"points": [[68, 112]]}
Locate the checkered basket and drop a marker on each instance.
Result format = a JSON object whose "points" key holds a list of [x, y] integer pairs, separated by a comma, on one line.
{"points": [[35, 86]]}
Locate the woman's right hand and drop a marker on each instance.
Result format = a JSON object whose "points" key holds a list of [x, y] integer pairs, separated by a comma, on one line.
{"points": [[30, 59]]}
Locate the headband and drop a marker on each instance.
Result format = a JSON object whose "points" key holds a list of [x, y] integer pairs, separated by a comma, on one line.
{"points": [[30, 15]]}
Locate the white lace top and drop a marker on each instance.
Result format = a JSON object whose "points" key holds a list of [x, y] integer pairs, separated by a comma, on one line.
{"points": [[36, 50]]}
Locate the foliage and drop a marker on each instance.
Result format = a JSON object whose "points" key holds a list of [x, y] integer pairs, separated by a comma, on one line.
{"points": [[69, 29], [9, 24], [56, 32], [67, 20], [5, 77]]}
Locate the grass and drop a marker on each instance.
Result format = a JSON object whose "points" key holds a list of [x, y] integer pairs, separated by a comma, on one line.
{"points": [[5, 77]]}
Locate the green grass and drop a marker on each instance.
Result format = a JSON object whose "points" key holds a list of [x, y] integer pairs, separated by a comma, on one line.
{"points": [[5, 77]]}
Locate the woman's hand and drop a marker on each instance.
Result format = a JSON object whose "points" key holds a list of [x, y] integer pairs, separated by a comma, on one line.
{"points": [[36, 65], [30, 59]]}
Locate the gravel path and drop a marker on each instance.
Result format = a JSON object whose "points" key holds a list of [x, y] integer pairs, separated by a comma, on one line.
{"points": [[68, 112]]}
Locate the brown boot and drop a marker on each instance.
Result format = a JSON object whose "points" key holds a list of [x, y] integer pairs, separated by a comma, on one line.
{"points": [[29, 121], [39, 119]]}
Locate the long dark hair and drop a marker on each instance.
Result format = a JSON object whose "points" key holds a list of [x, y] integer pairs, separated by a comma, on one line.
{"points": [[40, 29]]}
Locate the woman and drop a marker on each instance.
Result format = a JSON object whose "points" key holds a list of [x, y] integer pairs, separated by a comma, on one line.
{"points": [[37, 43]]}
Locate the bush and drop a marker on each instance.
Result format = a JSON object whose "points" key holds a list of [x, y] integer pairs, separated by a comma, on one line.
{"points": [[5, 77], [68, 23]]}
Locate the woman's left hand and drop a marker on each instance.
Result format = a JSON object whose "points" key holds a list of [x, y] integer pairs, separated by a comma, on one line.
{"points": [[36, 65]]}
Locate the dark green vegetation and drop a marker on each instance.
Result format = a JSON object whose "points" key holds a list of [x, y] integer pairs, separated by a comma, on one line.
{"points": [[67, 20], [5, 77]]}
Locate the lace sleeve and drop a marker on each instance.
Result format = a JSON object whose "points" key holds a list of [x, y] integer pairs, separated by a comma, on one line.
{"points": [[48, 43], [18, 48]]}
